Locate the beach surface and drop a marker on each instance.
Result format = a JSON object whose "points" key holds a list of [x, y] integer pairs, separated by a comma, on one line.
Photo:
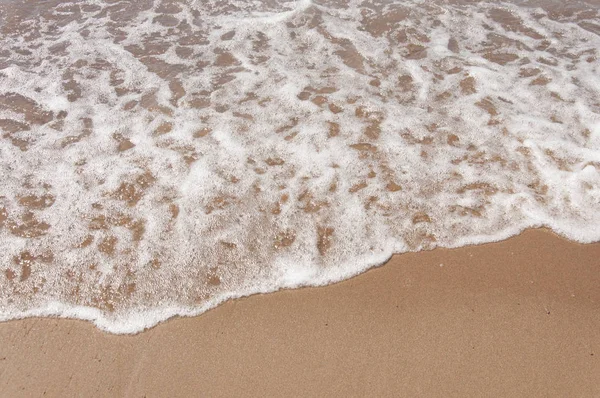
{"points": [[515, 318]]}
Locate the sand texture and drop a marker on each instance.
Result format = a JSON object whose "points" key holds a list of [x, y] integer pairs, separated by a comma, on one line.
{"points": [[515, 318]]}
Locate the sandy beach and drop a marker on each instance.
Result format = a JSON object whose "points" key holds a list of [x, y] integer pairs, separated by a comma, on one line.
{"points": [[158, 157], [515, 318]]}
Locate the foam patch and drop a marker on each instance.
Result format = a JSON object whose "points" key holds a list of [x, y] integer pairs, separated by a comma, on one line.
{"points": [[158, 158]]}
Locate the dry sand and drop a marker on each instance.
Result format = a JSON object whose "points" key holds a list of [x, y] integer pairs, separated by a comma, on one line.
{"points": [[516, 318]]}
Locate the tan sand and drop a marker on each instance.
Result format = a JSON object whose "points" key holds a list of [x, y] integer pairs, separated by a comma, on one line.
{"points": [[516, 318]]}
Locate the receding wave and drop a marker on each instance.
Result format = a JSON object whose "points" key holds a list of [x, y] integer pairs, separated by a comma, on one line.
{"points": [[157, 158]]}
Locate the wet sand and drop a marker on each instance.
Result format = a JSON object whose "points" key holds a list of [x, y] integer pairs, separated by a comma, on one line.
{"points": [[515, 318]]}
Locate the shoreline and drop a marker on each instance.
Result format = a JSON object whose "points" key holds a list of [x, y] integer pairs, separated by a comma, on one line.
{"points": [[516, 317]]}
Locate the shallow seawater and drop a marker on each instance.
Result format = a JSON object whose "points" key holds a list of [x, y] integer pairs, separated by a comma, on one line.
{"points": [[160, 157]]}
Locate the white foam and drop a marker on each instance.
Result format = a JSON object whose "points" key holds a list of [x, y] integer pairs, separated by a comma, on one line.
{"points": [[162, 162]]}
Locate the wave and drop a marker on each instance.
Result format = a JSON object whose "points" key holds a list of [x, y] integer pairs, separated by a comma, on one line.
{"points": [[159, 158]]}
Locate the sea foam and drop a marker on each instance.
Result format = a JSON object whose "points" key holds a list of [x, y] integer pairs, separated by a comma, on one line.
{"points": [[159, 158]]}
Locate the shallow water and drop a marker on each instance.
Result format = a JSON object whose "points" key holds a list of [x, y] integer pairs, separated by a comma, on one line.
{"points": [[158, 157]]}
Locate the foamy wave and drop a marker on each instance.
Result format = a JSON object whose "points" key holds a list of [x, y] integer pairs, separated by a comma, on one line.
{"points": [[158, 158]]}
